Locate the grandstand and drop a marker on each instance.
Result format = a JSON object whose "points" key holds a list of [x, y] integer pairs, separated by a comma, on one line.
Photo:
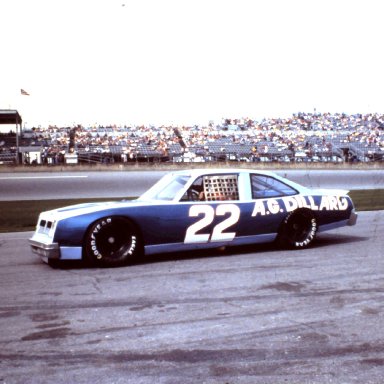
{"points": [[299, 138], [9, 146]]}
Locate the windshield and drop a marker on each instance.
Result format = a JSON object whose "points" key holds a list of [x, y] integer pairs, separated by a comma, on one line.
{"points": [[167, 188]]}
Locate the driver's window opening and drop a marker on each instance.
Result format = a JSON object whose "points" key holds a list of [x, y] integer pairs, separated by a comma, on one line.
{"points": [[195, 191], [214, 188]]}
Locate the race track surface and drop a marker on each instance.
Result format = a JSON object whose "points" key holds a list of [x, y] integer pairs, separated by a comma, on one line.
{"points": [[247, 315], [70, 185]]}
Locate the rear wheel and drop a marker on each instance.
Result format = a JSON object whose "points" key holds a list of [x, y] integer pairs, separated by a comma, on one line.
{"points": [[298, 230], [112, 241]]}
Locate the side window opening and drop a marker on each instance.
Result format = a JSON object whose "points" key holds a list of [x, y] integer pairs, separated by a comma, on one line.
{"points": [[195, 192], [221, 187], [213, 188], [267, 186]]}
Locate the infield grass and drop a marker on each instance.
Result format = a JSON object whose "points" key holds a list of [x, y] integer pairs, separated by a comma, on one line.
{"points": [[17, 216]]}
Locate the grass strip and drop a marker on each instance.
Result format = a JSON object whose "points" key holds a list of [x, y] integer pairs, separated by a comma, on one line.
{"points": [[17, 216]]}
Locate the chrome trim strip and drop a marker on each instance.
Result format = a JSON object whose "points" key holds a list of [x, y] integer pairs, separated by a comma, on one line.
{"points": [[328, 227], [178, 247]]}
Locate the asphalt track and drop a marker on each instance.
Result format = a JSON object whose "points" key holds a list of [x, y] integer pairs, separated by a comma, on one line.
{"points": [[248, 315], [56, 185]]}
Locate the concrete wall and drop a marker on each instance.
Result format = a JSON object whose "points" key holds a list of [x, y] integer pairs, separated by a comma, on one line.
{"points": [[173, 166]]}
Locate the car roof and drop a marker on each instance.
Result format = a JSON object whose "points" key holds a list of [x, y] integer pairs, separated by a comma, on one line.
{"points": [[219, 171], [195, 173]]}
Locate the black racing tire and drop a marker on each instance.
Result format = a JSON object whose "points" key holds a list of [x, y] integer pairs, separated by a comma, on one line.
{"points": [[54, 263], [112, 241], [298, 229]]}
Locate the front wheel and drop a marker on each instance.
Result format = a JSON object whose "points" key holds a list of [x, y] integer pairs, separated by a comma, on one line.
{"points": [[298, 230], [112, 241]]}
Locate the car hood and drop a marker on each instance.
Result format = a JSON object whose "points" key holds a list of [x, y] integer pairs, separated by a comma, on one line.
{"points": [[86, 206], [82, 209]]}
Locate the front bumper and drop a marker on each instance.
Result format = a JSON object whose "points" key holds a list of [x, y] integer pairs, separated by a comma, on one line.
{"points": [[52, 251], [45, 250]]}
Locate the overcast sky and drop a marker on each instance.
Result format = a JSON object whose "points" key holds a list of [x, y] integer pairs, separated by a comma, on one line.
{"points": [[188, 61]]}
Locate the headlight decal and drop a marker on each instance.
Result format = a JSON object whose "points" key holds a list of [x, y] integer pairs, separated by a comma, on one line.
{"points": [[46, 227]]}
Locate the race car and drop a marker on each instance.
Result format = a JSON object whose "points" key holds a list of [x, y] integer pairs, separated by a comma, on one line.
{"points": [[190, 210]]}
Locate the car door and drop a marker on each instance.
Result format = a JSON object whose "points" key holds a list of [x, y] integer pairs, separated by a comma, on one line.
{"points": [[208, 214]]}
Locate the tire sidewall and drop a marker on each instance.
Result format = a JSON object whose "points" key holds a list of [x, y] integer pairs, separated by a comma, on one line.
{"points": [[285, 238], [99, 257]]}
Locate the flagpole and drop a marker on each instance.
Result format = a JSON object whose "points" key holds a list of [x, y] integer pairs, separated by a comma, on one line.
{"points": [[17, 141], [23, 93]]}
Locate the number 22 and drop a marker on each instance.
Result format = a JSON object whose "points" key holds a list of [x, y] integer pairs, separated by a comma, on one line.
{"points": [[209, 213]]}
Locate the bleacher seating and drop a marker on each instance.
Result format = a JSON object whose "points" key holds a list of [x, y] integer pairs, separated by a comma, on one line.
{"points": [[301, 137], [7, 157]]}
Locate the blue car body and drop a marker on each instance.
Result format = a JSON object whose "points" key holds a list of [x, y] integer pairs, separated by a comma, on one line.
{"points": [[238, 207]]}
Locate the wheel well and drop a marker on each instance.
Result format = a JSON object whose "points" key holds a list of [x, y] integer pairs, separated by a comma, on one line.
{"points": [[298, 211]]}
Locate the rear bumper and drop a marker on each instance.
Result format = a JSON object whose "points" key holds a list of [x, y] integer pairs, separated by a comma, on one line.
{"points": [[352, 218]]}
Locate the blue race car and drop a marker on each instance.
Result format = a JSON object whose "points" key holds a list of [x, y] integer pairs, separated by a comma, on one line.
{"points": [[193, 209]]}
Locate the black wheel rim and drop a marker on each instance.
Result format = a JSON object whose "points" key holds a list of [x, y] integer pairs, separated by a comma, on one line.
{"points": [[299, 228], [113, 241]]}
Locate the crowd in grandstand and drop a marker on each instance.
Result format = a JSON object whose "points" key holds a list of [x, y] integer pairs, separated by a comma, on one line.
{"points": [[300, 137]]}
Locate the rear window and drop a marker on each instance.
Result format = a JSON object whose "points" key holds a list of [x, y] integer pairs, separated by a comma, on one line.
{"points": [[266, 186]]}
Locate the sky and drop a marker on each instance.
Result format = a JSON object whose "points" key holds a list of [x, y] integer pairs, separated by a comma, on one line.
{"points": [[176, 62]]}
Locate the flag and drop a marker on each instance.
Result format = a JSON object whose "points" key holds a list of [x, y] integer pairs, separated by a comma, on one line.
{"points": [[25, 93]]}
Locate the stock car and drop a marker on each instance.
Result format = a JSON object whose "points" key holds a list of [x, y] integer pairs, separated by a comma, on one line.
{"points": [[189, 210]]}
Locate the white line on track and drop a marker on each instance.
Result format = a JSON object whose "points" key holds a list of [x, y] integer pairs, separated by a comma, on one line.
{"points": [[42, 177]]}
